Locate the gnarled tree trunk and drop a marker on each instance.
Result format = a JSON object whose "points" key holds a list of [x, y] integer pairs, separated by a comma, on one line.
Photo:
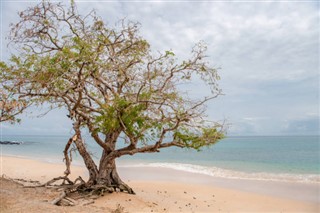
{"points": [[88, 161], [108, 174], [104, 177]]}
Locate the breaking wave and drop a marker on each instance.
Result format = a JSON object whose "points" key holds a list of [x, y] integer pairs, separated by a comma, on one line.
{"points": [[231, 174]]}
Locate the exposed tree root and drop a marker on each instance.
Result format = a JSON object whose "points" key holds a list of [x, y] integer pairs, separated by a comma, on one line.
{"points": [[21, 182], [64, 178], [76, 192]]}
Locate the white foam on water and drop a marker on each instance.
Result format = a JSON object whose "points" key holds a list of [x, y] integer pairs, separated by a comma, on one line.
{"points": [[231, 174]]}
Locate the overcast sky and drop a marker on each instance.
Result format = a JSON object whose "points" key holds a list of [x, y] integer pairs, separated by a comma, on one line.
{"points": [[268, 53]]}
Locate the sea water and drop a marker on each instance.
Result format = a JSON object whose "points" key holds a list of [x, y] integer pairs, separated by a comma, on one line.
{"points": [[278, 158]]}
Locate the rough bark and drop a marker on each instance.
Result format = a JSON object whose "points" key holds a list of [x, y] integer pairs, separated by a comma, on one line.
{"points": [[91, 166], [88, 161], [67, 159], [108, 174]]}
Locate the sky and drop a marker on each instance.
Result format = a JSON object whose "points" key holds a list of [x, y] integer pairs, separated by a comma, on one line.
{"points": [[267, 52]]}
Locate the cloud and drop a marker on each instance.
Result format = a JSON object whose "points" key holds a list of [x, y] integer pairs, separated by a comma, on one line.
{"points": [[268, 52], [308, 125]]}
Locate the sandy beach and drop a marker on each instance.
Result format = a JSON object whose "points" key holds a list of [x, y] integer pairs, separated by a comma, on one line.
{"points": [[157, 190]]}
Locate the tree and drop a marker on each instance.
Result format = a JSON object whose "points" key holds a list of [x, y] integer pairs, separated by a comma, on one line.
{"points": [[10, 104], [111, 84]]}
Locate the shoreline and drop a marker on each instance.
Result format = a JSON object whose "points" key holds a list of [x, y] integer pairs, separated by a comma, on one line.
{"points": [[163, 186], [232, 174], [214, 172], [296, 190]]}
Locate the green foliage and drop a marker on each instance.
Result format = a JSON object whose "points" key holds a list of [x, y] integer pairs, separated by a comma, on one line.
{"points": [[201, 138], [122, 112], [107, 122], [170, 53]]}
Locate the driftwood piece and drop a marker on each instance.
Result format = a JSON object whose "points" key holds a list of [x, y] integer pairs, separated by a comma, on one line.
{"points": [[65, 202], [87, 202], [58, 199], [72, 201]]}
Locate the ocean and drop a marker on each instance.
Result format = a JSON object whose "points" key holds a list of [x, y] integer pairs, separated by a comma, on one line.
{"points": [[276, 158]]}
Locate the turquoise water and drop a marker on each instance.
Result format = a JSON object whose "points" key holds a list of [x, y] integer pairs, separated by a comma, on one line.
{"points": [[271, 157]]}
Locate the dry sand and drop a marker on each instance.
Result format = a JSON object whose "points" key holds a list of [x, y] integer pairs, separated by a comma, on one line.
{"points": [[157, 190]]}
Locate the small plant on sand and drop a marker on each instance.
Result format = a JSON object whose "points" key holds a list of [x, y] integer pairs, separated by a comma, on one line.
{"points": [[119, 209]]}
